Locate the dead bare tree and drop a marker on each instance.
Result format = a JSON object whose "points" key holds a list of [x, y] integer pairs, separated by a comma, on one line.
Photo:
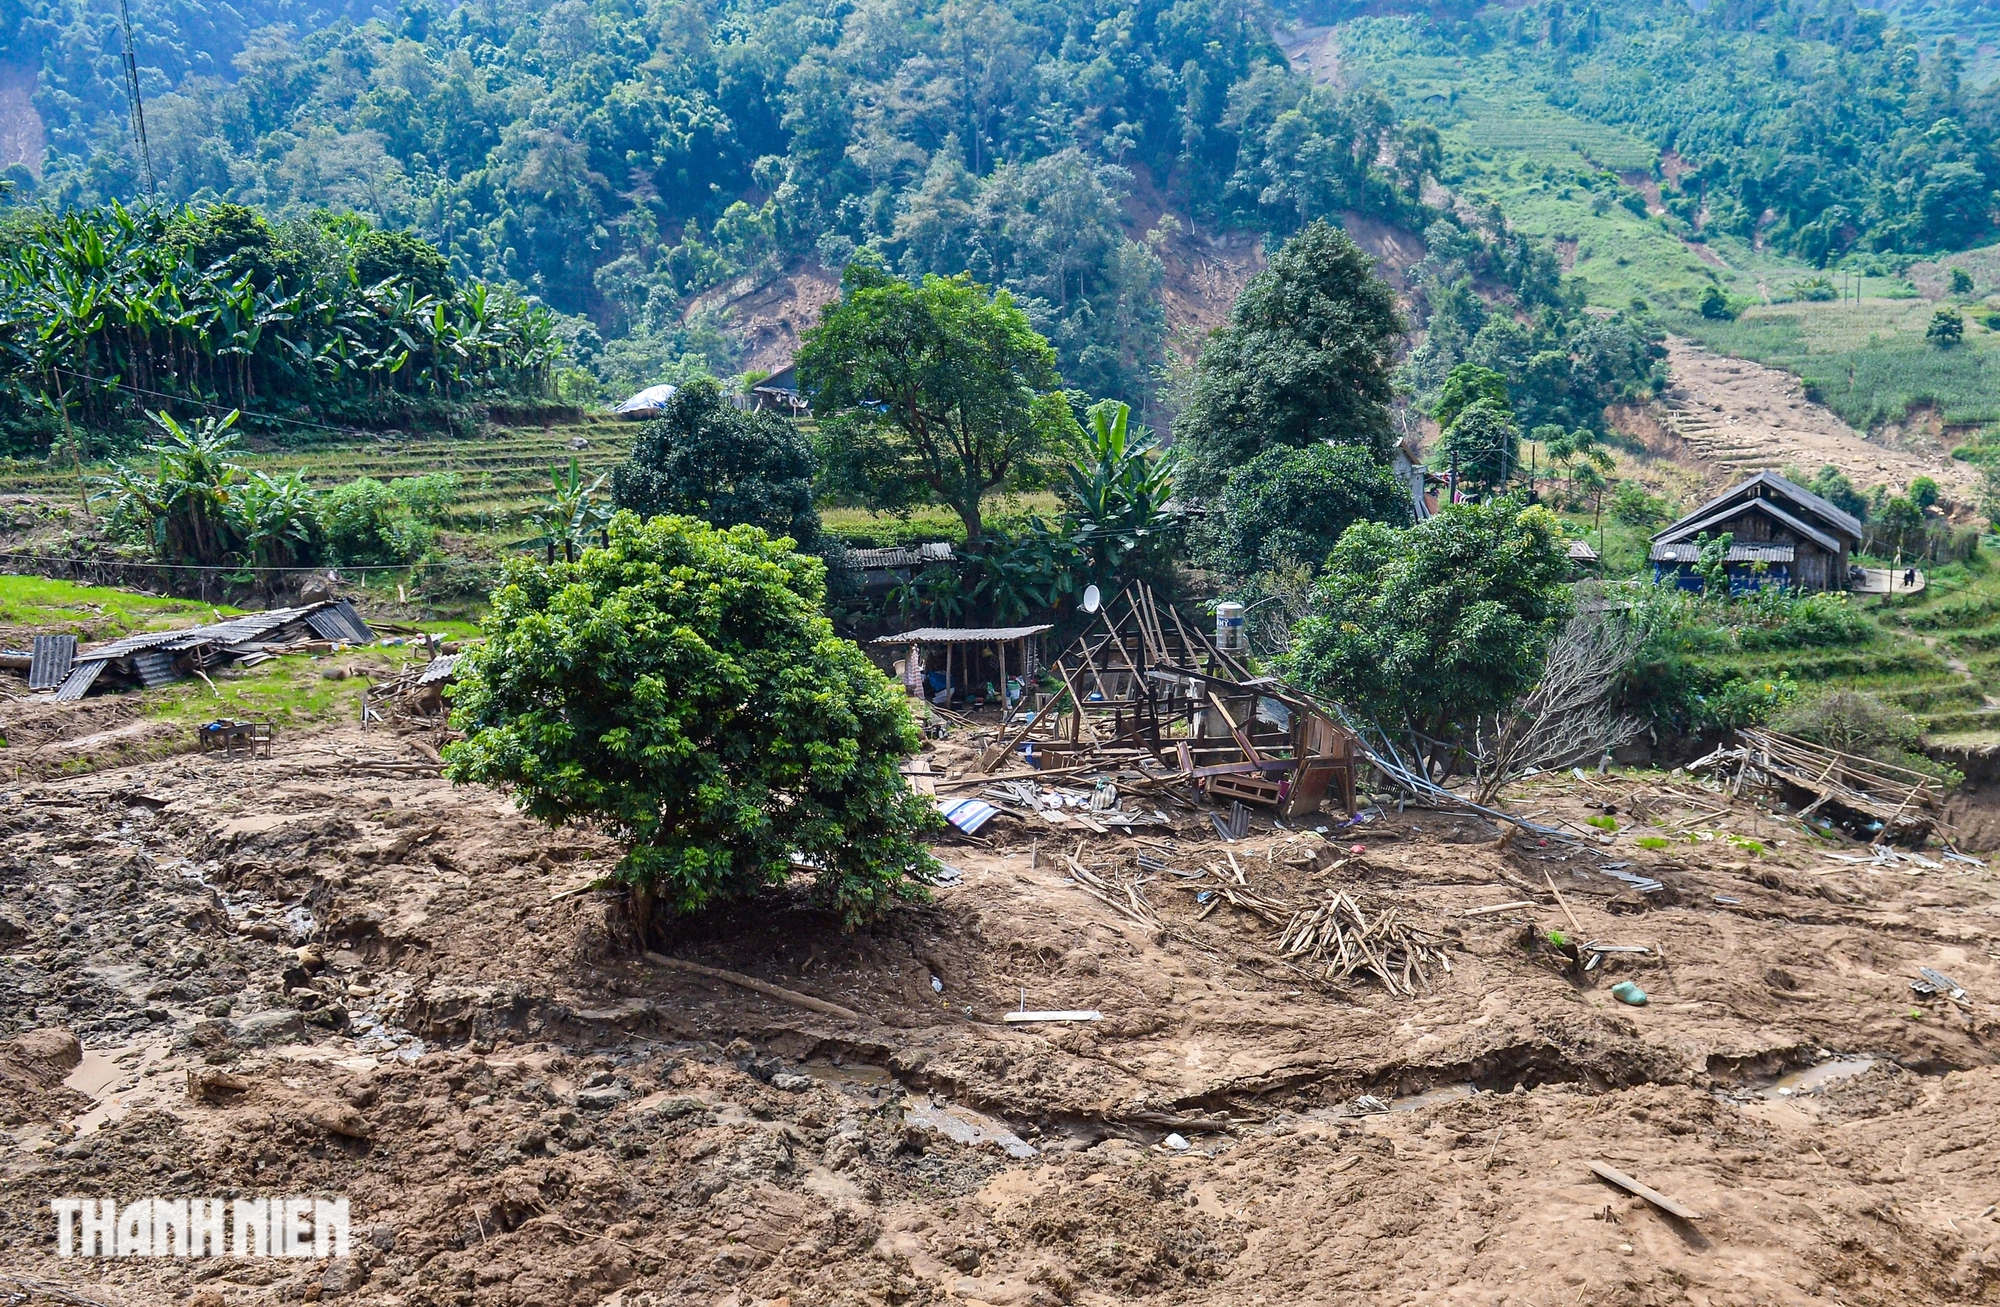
{"points": [[1572, 713]]}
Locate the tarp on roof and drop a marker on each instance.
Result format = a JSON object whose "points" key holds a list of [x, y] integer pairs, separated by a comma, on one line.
{"points": [[650, 400]]}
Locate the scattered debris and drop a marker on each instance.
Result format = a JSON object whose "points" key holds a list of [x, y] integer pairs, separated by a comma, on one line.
{"points": [[967, 815], [1494, 908], [1627, 992], [1903, 804], [1080, 1014], [1934, 983], [1341, 932], [162, 657]]}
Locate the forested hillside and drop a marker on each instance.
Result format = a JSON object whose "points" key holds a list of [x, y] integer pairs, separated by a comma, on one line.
{"points": [[1817, 129], [617, 159]]}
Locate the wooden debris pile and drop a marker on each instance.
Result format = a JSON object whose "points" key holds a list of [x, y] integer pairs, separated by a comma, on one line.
{"points": [[1341, 932], [417, 692], [1338, 932], [1905, 803], [1146, 695]]}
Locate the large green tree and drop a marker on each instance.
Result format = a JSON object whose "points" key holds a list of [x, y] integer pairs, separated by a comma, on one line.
{"points": [[937, 391], [1425, 629], [1288, 507], [683, 688], [1304, 360], [706, 458], [1483, 445]]}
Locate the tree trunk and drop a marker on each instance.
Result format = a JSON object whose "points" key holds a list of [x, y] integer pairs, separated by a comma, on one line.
{"points": [[642, 915]]}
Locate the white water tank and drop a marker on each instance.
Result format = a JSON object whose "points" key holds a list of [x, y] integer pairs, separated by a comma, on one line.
{"points": [[1229, 634]]}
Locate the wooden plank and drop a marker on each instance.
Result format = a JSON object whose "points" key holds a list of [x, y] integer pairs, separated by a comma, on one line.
{"points": [[1653, 1196], [1492, 908]]}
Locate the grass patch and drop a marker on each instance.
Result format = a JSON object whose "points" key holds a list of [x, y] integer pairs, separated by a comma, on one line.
{"points": [[293, 691], [1557, 175], [1653, 842], [91, 612]]}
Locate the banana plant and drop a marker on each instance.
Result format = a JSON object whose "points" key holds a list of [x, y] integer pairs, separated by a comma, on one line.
{"points": [[570, 515], [1122, 490]]}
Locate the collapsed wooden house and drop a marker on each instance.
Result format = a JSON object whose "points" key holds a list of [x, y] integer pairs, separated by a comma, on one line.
{"points": [[1906, 804], [1140, 686], [162, 657]]}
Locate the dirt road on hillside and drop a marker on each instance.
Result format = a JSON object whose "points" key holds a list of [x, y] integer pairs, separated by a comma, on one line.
{"points": [[523, 1109], [1738, 416]]}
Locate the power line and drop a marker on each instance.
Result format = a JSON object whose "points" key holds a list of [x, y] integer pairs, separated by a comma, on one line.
{"points": [[117, 384], [101, 563], [132, 91]]}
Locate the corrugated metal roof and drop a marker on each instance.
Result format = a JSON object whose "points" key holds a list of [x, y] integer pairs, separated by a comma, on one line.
{"points": [[1692, 526], [441, 668], [156, 668], [152, 654], [901, 556], [1689, 553], [963, 635], [80, 679], [1581, 551], [339, 621], [53, 656], [247, 629]]}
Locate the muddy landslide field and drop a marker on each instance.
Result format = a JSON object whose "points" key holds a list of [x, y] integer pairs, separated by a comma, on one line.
{"points": [[329, 972]]}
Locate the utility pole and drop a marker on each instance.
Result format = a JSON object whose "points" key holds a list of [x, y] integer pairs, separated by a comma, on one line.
{"points": [[132, 93]]}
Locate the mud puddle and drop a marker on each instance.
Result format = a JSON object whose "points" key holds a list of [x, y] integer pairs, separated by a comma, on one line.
{"points": [[1815, 1078]]}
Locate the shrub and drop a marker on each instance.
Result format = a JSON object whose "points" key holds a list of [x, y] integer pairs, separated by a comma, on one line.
{"points": [[1863, 725], [364, 523], [1288, 507], [1947, 328], [429, 497], [1631, 505], [706, 458], [1428, 628], [684, 688]]}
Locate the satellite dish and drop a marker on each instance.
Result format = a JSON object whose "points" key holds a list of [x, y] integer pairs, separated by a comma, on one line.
{"points": [[1092, 599]]}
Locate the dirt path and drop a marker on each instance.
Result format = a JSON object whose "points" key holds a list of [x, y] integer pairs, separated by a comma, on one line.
{"points": [[1738, 416], [523, 1110]]}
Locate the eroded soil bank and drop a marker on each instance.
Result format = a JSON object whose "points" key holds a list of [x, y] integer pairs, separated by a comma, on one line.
{"points": [[523, 1109]]}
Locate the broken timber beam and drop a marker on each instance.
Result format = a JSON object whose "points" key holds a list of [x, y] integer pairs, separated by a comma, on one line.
{"points": [[779, 992], [1653, 1196]]}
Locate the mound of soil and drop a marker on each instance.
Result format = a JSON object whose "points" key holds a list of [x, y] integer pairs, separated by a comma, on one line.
{"points": [[302, 975]]}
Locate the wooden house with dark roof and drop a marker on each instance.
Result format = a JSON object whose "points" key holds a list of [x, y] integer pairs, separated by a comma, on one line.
{"points": [[1780, 534]]}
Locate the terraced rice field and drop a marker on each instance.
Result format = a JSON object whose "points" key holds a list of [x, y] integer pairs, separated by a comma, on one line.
{"points": [[502, 473]]}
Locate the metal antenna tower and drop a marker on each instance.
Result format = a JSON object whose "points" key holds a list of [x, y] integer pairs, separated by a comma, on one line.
{"points": [[132, 93]]}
